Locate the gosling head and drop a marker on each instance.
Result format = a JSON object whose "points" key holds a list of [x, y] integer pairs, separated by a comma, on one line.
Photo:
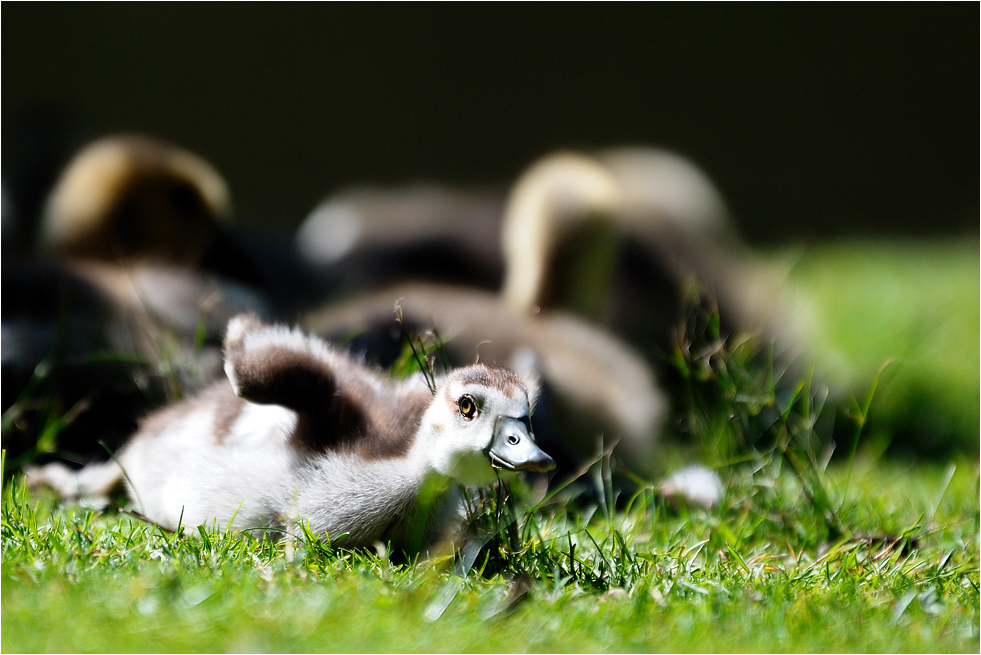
{"points": [[480, 423]]}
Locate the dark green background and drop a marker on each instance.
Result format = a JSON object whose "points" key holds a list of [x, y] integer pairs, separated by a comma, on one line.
{"points": [[814, 120]]}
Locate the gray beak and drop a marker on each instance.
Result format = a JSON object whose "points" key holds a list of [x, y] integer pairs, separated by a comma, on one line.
{"points": [[513, 447]]}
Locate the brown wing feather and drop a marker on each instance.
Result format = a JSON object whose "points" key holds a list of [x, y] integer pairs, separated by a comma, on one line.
{"points": [[339, 403]]}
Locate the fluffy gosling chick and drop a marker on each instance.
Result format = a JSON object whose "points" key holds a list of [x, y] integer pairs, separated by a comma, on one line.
{"points": [[131, 197], [302, 431]]}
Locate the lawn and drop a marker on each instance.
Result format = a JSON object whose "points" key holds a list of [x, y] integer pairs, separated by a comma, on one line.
{"points": [[913, 305], [748, 576], [862, 551]]}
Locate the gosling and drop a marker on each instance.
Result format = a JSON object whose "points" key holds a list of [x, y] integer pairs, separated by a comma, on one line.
{"points": [[302, 432]]}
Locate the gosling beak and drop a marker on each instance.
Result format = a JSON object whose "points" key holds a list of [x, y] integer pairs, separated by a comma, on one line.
{"points": [[513, 447]]}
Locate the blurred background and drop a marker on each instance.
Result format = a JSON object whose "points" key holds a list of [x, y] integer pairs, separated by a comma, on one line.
{"points": [[815, 121], [844, 137]]}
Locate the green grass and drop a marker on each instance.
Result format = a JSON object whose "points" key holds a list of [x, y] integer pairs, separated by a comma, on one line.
{"points": [[749, 575], [915, 305], [867, 553]]}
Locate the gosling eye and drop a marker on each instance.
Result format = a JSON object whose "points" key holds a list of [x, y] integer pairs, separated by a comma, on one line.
{"points": [[468, 408]]}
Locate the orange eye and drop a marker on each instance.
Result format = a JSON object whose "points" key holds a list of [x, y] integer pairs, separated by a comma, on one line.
{"points": [[468, 408]]}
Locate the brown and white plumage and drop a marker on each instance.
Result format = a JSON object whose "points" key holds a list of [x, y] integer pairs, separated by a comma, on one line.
{"points": [[302, 431]]}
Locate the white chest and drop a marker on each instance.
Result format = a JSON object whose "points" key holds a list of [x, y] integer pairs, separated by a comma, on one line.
{"points": [[343, 494]]}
